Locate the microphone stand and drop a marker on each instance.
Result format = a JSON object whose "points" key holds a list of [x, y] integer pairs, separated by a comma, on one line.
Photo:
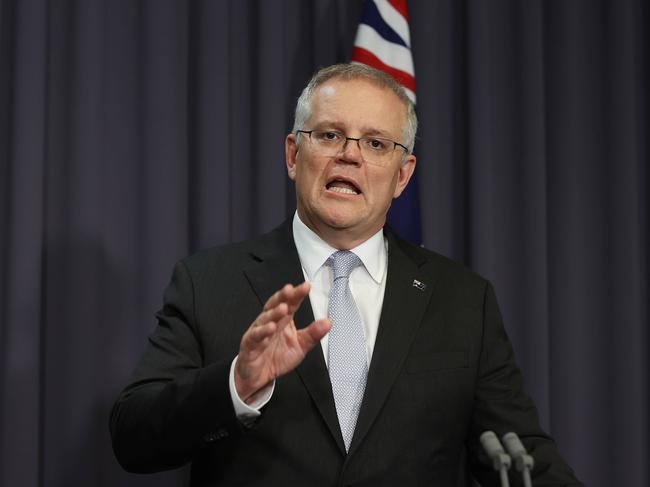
{"points": [[523, 461], [501, 462], [500, 459]]}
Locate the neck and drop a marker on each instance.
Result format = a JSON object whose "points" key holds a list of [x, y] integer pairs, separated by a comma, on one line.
{"points": [[339, 238]]}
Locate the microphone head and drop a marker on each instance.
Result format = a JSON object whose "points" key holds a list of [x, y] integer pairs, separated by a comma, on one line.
{"points": [[517, 450], [491, 444], [513, 444]]}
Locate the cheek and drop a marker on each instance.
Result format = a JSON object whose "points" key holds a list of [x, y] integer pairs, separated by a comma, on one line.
{"points": [[383, 186], [311, 174], [307, 179]]}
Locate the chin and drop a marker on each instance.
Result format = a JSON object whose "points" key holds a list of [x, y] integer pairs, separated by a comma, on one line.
{"points": [[338, 223], [342, 220]]}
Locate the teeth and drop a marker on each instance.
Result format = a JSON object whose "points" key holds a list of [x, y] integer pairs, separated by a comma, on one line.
{"points": [[337, 189]]}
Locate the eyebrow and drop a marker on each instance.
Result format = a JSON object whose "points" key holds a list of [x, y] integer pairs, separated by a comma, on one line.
{"points": [[368, 132]]}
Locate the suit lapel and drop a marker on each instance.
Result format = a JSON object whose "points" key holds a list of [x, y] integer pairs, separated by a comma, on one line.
{"points": [[403, 308], [278, 264]]}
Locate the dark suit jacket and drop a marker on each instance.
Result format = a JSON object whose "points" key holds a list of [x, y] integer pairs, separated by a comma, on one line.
{"points": [[442, 372]]}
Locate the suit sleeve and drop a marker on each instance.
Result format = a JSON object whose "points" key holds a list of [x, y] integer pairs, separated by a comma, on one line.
{"points": [[502, 405], [175, 406]]}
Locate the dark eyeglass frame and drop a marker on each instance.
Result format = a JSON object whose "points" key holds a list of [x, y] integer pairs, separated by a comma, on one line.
{"points": [[357, 140]]}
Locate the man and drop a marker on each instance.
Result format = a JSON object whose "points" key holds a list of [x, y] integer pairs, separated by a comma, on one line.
{"points": [[329, 351]]}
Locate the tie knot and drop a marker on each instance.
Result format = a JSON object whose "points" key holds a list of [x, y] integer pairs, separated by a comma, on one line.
{"points": [[342, 263]]}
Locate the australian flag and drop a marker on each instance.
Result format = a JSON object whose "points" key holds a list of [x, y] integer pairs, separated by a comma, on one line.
{"points": [[384, 42]]}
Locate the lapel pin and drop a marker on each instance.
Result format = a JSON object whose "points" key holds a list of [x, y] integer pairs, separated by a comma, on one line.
{"points": [[420, 285]]}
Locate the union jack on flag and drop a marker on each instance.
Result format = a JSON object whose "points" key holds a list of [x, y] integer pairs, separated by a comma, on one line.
{"points": [[384, 42]]}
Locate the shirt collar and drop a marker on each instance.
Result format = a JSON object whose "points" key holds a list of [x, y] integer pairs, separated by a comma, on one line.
{"points": [[314, 251]]}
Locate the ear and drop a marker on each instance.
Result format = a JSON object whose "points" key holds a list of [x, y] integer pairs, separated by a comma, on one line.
{"points": [[290, 154], [404, 176]]}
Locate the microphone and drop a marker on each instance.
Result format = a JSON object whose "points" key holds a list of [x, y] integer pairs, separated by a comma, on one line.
{"points": [[523, 461], [500, 459]]}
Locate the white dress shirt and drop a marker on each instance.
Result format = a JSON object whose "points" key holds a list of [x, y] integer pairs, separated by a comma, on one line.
{"points": [[367, 284]]}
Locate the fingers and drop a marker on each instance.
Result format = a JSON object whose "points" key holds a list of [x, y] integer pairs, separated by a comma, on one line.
{"points": [[278, 311], [272, 314], [276, 315], [292, 295], [258, 333], [266, 324]]}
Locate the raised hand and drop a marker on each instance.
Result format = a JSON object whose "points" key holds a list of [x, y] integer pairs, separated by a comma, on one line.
{"points": [[272, 346]]}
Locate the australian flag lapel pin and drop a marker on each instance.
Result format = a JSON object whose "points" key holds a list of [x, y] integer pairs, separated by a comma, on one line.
{"points": [[419, 284]]}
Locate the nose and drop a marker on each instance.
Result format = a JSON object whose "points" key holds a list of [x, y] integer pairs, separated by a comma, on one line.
{"points": [[351, 151]]}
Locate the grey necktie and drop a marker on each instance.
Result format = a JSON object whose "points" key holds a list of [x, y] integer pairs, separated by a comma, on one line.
{"points": [[348, 365]]}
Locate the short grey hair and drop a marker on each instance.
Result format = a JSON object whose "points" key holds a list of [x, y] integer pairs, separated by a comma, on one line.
{"points": [[349, 72]]}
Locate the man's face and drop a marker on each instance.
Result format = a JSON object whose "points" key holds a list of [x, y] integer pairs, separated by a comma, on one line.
{"points": [[342, 198]]}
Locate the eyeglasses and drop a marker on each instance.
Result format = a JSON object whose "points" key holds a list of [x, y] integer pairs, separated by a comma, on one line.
{"points": [[374, 150]]}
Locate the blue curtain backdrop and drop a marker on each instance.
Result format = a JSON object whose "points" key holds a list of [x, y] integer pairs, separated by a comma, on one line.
{"points": [[135, 132]]}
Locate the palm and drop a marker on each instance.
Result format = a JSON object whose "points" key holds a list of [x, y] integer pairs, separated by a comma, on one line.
{"points": [[282, 353], [272, 346]]}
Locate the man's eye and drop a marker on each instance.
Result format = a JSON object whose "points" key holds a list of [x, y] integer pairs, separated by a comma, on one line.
{"points": [[376, 144], [330, 136]]}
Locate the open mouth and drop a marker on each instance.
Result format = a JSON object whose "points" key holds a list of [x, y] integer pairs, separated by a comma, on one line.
{"points": [[343, 186]]}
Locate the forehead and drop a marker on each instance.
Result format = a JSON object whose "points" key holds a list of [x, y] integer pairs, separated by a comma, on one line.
{"points": [[358, 104]]}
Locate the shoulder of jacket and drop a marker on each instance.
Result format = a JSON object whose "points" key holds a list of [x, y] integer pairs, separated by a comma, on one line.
{"points": [[238, 254]]}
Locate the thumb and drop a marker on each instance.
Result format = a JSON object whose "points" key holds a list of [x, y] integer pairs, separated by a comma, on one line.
{"points": [[308, 337]]}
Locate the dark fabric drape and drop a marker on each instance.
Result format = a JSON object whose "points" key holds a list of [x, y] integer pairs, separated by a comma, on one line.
{"points": [[135, 132]]}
